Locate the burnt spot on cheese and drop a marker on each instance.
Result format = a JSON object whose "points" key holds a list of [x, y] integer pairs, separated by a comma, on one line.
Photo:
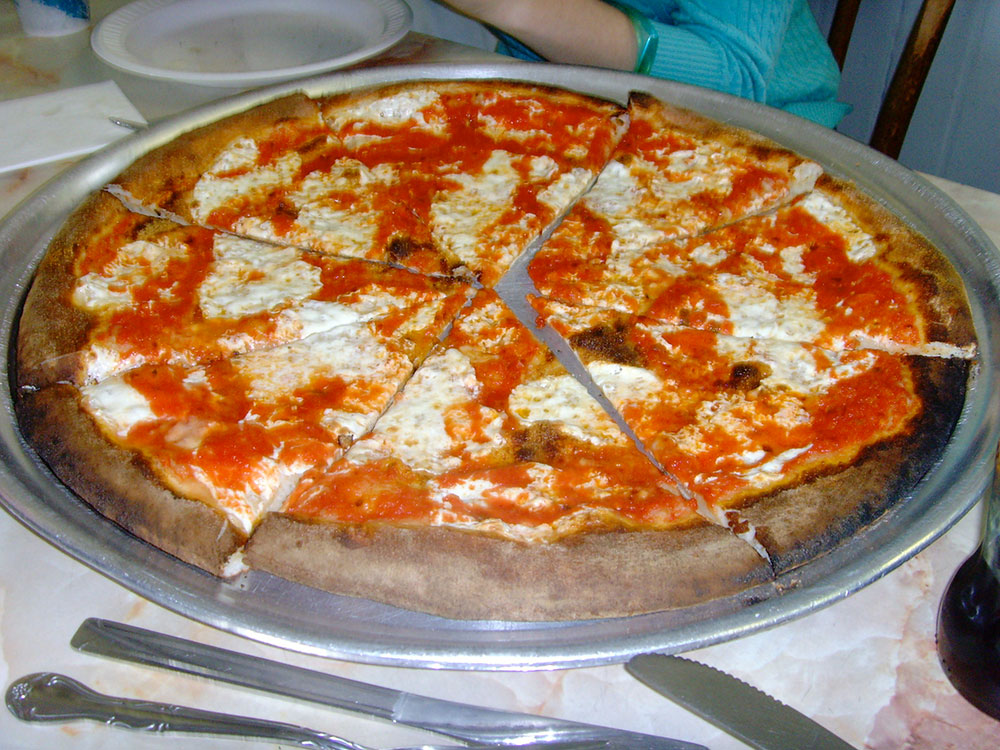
{"points": [[608, 342], [539, 442], [352, 173], [313, 144], [286, 211], [400, 247], [745, 376]]}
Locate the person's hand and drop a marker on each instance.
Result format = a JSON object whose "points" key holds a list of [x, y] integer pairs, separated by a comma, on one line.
{"points": [[581, 32]]}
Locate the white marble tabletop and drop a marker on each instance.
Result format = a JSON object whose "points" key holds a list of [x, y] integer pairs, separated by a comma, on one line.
{"points": [[865, 667]]}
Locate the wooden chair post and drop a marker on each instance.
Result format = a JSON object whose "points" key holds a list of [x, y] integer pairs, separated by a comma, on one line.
{"points": [[901, 98], [841, 29], [914, 63]]}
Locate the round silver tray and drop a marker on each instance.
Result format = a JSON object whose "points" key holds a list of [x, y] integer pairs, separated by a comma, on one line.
{"points": [[277, 612]]}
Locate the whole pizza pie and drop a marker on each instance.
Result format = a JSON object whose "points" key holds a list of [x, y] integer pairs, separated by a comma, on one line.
{"points": [[286, 341]]}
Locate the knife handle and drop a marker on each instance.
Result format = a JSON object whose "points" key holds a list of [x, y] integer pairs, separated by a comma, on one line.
{"points": [[129, 643]]}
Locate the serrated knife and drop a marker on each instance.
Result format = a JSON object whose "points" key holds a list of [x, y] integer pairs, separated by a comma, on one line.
{"points": [[739, 709], [460, 720]]}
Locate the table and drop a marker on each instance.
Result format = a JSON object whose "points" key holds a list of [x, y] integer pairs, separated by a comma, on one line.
{"points": [[864, 667]]}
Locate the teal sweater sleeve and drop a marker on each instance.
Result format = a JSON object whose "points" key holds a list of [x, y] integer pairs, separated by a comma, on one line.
{"points": [[770, 51]]}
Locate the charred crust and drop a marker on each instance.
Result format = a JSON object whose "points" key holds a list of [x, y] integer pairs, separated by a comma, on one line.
{"points": [[762, 152], [641, 99], [737, 523]]}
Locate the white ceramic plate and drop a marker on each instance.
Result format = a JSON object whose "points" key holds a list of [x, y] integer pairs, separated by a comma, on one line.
{"points": [[246, 43]]}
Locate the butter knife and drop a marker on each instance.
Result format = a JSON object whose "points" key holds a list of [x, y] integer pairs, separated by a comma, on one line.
{"points": [[739, 709], [459, 720]]}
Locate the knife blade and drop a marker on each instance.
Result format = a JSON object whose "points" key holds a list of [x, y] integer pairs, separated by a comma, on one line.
{"points": [[459, 720], [742, 710]]}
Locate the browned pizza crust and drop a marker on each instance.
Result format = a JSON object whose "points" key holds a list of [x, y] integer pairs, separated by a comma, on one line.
{"points": [[930, 278], [165, 177], [119, 485], [456, 574], [801, 523]]}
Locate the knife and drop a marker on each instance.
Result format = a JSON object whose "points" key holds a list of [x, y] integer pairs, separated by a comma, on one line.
{"points": [[732, 705], [459, 720]]}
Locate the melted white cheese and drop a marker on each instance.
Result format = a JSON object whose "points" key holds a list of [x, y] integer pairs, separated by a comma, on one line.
{"points": [[860, 245], [312, 317], [755, 312], [804, 177], [134, 265], [400, 108], [539, 493], [416, 430], [624, 384], [460, 217], [559, 194], [217, 186], [708, 254], [771, 470], [563, 400], [350, 352], [249, 277], [615, 193], [117, 405], [689, 173], [796, 367], [793, 264]]}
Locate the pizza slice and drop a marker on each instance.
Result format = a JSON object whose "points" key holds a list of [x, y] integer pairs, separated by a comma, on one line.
{"points": [[831, 268], [677, 174], [120, 289], [230, 435], [494, 459], [482, 169], [274, 173], [738, 419]]}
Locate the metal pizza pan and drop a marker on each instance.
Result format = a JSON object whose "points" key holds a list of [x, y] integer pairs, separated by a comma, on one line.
{"points": [[285, 614]]}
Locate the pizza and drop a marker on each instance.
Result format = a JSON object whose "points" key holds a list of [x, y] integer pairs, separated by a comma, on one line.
{"points": [[289, 341]]}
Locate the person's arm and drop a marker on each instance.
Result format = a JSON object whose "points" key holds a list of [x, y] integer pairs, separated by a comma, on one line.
{"points": [[584, 32]]}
